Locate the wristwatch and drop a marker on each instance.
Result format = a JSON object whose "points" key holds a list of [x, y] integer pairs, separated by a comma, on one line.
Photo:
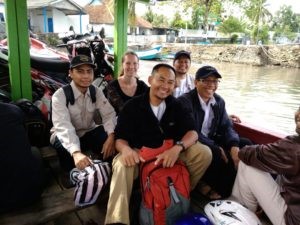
{"points": [[180, 143]]}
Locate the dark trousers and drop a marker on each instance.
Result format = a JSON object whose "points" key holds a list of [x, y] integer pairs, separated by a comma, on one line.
{"points": [[91, 144], [220, 175]]}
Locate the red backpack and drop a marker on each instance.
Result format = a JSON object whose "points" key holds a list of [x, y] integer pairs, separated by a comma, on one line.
{"points": [[165, 191]]}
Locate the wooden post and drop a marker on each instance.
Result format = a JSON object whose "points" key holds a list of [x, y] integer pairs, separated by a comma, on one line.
{"points": [[18, 44], [120, 32]]}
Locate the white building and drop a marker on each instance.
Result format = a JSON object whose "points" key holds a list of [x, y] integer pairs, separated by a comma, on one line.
{"points": [[56, 16]]}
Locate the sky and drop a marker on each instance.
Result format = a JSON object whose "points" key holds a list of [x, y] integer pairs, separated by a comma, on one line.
{"points": [[275, 5]]}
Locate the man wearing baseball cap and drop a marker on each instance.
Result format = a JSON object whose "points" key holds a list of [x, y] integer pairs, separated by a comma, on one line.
{"points": [[74, 130], [215, 130], [184, 81]]}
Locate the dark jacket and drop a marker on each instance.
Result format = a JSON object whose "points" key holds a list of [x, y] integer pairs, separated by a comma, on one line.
{"points": [[22, 174], [221, 132], [138, 125], [282, 158]]}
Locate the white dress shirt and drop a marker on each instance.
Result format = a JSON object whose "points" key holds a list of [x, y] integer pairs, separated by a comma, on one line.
{"points": [[208, 114], [186, 84], [72, 122]]}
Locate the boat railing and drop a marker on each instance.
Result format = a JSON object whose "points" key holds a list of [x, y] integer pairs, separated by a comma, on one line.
{"points": [[256, 134]]}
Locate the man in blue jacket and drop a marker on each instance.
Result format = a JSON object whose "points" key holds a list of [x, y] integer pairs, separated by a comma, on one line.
{"points": [[215, 130]]}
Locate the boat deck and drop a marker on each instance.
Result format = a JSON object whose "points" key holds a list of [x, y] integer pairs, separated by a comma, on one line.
{"points": [[91, 215], [66, 213]]}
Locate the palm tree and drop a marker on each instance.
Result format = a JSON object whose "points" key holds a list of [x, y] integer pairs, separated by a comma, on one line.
{"points": [[131, 15], [258, 14]]}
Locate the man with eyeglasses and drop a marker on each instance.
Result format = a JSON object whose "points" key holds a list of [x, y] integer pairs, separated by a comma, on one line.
{"points": [[215, 130]]}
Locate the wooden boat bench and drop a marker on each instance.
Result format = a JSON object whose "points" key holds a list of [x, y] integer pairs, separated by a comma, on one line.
{"points": [[53, 203], [49, 207]]}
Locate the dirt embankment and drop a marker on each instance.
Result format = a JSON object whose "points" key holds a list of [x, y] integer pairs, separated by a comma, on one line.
{"points": [[258, 55]]}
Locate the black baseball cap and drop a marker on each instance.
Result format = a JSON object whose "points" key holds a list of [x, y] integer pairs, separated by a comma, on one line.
{"points": [[182, 53], [81, 60], [206, 71]]}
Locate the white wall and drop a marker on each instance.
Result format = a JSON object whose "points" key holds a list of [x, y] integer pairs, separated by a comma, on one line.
{"points": [[109, 29], [75, 22], [61, 22], [37, 20]]}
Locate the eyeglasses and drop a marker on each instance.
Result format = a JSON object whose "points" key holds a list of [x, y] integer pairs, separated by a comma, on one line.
{"points": [[208, 82]]}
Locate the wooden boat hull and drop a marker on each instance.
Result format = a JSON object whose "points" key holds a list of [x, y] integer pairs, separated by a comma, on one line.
{"points": [[256, 134]]}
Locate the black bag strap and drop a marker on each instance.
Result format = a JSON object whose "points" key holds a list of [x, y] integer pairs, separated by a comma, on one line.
{"points": [[93, 93], [70, 94]]}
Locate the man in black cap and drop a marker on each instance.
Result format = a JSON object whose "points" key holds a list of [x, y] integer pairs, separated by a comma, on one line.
{"points": [[184, 81], [74, 130], [215, 130]]}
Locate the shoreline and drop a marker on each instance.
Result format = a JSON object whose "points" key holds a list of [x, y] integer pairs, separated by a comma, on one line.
{"points": [[255, 55]]}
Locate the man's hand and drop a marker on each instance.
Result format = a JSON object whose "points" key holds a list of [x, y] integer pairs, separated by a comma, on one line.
{"points": [[130, 157], [169, 157], [234, 151], [108, 148], [81, 160], [235, 118]]}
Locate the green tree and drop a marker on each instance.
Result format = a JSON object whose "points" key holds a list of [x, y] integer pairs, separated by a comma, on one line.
{"points": [[149, 15], [160, 21], [258, 14], [262, 34], [231, 25], [155, 19], [177, 21], [197, 17], [285, 19], [131, 16], [209, 6]]}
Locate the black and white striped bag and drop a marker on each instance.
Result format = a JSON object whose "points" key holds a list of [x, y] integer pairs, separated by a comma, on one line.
{"points": [[90, 182]]}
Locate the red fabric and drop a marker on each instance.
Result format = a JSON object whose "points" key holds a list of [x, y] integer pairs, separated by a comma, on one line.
{"points": [[155, 187], [151, 153]]}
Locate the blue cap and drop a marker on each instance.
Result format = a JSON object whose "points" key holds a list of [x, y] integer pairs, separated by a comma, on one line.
{"points": [[206, 71]]}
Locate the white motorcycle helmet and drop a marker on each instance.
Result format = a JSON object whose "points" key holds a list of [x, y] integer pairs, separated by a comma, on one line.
{"points": [[228, 212]]}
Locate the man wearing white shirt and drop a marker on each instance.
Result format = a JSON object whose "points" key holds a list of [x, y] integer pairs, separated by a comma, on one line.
{"points": [[184, 81], [215, 130], [74, 131]]}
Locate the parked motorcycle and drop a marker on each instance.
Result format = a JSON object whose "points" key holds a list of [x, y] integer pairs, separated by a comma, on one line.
{"points": [[93, 47], [50, 69]]}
